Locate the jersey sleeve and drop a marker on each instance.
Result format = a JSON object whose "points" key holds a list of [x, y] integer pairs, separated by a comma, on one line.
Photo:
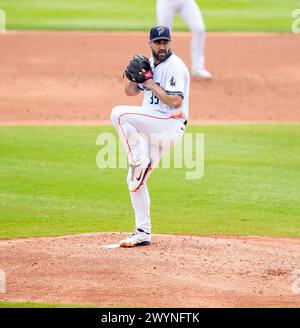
{"points": [[175, 81]]}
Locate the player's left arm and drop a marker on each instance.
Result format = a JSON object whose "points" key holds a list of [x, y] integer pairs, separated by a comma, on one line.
{"points": [[168, 99], [131, 88]]}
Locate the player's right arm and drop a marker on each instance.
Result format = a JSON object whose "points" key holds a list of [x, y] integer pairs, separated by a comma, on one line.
{"points": [[131, 88]]}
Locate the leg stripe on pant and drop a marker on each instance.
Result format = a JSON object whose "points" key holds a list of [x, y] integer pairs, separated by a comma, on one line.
{"points": [[147, 115]]}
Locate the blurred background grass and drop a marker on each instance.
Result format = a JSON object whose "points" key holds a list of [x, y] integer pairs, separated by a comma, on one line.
{"points": [[220, 15]]}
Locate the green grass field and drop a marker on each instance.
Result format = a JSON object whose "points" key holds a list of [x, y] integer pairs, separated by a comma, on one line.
{"points": [[4, 304], [220, 15], [50, 184]]}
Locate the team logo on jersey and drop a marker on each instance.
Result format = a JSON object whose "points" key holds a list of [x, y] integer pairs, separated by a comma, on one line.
{"points": [[173, 81], [160, 30]]}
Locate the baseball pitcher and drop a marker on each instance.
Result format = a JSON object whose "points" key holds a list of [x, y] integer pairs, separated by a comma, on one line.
{"points": [[149, 130]]}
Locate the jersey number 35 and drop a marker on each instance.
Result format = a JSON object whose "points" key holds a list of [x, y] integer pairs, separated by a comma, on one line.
{"points": [[154, 100]]}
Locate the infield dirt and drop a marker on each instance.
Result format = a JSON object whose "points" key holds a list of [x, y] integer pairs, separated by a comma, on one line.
{"points": [[76, 77]]}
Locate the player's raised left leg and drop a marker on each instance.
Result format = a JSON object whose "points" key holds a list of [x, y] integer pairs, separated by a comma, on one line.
{"points": [[130, 133]]}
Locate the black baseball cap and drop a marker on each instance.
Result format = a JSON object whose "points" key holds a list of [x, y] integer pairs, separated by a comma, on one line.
{"points": [[160, 33]]}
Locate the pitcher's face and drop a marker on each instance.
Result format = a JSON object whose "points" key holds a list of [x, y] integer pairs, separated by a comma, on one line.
{"points": [[160, 49]]}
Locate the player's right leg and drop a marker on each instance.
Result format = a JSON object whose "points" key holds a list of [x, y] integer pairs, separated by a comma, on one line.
{"points": [[165, 11], [192, 15], [149, 123], [137, 148], [141, 204]]}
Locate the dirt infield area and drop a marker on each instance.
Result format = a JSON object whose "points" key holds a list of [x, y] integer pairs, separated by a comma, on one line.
{"points": [[174, 271], [76, 77]]}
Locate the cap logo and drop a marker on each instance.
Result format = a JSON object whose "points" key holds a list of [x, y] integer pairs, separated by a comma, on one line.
{"points": [[160, 30]]}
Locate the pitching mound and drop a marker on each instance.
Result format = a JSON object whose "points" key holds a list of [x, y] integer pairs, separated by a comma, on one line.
{"points": [[191, 271]]}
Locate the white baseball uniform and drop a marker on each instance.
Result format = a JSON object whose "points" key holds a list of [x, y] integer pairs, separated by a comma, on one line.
{"points": [[147, 131], [190, 12]]}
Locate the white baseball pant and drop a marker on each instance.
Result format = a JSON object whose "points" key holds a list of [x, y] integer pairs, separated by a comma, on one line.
{"points": [[191, 14], [146, 134]]}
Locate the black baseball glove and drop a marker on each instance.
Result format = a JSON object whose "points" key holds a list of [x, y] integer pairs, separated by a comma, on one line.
{"points": [[139, 69]]}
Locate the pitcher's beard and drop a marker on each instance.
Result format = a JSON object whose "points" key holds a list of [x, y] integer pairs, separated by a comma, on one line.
{"points": [[161, 55]]}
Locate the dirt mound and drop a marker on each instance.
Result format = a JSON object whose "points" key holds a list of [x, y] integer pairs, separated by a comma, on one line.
{"points": [[76, 77], [176, 270]]}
